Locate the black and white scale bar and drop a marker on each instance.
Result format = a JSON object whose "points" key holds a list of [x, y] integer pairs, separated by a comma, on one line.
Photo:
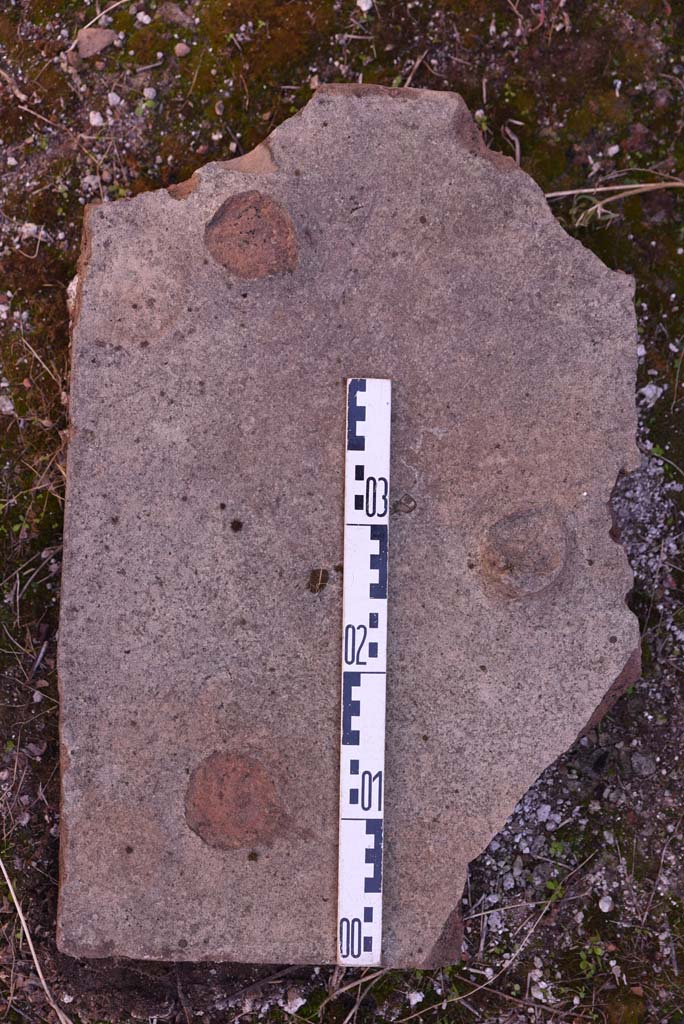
{"points": [[364, 666]]}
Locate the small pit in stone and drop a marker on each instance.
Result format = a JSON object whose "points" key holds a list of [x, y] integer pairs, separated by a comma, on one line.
{"points": [[252, 236], [318, 580], [232, 802], [524, 552]]}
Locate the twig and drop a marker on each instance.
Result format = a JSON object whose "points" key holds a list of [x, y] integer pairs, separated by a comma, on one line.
{"points": [[181, 996], [529, 1004], [620, 192], [660, 870], [36, 663], [415, 67], [148, 67], [44, 365], [21, 567], [346, 988], [670, 463], [509, 963], [521, 23], [676, 387], [645, 186], [53, 124], [504, 909], [360, 996], [61, 1015], [512, 138], [194, 77], [16, 91], [652, 601], [28, 255], [486, 984], [269, 980], [97, 18]]}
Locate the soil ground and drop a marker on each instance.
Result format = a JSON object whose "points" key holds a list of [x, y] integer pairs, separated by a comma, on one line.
{"points": [[576, 910]]}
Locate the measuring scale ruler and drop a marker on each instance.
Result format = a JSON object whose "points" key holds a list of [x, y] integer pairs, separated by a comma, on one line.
{"points": [[364, 672]]}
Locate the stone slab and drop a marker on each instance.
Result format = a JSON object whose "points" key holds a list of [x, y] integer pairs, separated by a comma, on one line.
{"points": [[372, 235]]}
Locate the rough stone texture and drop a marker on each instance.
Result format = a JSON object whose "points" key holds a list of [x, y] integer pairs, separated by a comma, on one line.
{"points": [[91, 41], [200, 631]]}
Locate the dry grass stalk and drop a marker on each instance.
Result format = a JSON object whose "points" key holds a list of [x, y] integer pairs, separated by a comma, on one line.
{"points": [[62, 1017]]}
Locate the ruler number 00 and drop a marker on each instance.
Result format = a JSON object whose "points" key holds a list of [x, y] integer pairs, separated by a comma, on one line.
{"points": [[350, 937]]}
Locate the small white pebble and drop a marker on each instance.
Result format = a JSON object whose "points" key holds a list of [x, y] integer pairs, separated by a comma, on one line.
{"points": [[11, 162], [181, 49], [143, 18], [113, 99], [651, 393], [606, 904], [149, 93], [96, 119], [364, 5], [613, 150], [294, 1003]]}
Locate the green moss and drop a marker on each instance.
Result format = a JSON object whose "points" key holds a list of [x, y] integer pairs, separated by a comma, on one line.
{"points": [[625, 1008]]}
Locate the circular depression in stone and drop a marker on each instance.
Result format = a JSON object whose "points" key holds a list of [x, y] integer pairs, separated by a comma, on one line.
{"points": [[524, 552], [232, 802], [252, 236]]}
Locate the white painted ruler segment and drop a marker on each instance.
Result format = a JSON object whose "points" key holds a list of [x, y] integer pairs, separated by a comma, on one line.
{"points": [[364, 668]]}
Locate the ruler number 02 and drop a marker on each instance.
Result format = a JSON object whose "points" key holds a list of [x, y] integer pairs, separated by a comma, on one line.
{"points": [[354, 641]]}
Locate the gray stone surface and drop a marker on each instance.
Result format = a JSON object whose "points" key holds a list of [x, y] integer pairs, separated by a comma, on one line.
{"points": [[372, 235]]}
